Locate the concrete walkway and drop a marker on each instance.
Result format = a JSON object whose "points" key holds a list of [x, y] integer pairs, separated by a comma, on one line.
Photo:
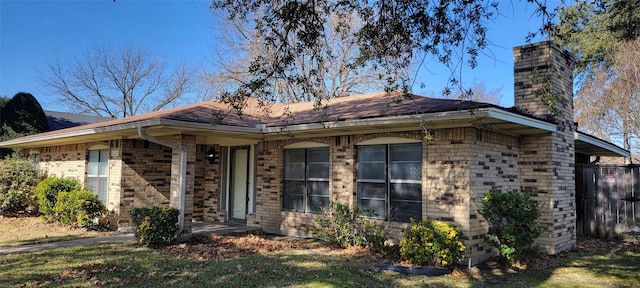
{"points": [[199, 228]]}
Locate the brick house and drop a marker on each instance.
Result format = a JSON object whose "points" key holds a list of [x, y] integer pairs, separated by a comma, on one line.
{"points": [[405, 157]]}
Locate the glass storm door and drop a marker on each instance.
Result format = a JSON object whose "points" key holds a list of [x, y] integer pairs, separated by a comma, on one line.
{"points": [[239, 182]]}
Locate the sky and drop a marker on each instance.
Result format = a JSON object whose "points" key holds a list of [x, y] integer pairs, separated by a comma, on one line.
{"points": [[35, 33]]}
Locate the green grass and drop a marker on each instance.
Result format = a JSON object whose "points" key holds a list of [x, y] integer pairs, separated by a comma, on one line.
{"points": [[127, 265]]}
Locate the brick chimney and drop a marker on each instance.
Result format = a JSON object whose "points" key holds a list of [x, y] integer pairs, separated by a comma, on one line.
{"points": [[543, 81], [543, 87]]}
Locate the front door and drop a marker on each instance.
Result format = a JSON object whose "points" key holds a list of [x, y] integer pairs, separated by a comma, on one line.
{"points": [[239, 182]]}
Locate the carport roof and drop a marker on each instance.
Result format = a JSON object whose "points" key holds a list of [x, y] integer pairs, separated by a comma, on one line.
{"points": [[590, 145]]}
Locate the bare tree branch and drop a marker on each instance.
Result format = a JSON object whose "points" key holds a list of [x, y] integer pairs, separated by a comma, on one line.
{"points": [[119, 83]]}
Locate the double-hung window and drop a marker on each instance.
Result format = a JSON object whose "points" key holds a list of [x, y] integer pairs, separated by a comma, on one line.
{"points": [[98, 173], [306, 179], [389, 180]]}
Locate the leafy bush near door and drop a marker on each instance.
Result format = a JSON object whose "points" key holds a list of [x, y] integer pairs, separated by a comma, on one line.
{"points": [[432, 243], [512, 219], [155, 226]]}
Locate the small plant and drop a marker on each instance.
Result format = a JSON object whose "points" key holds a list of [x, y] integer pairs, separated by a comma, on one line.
{"points": [[17, 179], [155, 226], [513, 223], [47, 192], [342, 226], [432, 243], [78, 207]]}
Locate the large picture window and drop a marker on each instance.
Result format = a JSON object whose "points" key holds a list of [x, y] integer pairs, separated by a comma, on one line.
{"points": [[306, 179], [98, 173], [390, 180]]}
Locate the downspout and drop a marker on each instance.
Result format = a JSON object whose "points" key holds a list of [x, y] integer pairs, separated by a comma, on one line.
{"points": [[182, 177]]}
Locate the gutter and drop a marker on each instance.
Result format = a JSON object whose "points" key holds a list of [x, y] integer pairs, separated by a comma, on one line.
{"points": [[436, 116], [182, 177], [579, 136]]}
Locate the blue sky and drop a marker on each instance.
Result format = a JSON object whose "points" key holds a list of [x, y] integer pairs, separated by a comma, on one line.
{"points": [[34, 33]]}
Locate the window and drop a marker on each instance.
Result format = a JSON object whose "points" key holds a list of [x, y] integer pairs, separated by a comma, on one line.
{"points": [[98, 173], [306, 179], [390, 180]]}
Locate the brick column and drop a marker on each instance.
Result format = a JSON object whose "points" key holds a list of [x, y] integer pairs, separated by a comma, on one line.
{"points": [[543, 87]]}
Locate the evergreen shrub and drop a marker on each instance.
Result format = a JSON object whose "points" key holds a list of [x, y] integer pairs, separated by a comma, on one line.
{"points": [[512, 219], [155, 226], [431, 242], [47, 192], [18, 177]]}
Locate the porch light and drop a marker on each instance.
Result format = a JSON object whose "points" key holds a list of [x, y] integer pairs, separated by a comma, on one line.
{"points": [[211, 155]]}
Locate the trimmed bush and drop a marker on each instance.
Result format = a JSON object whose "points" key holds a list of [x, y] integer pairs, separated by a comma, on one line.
{"points": [[513, 223], [78, 207], [18, 177], [47, 191], [432, 243], [342, 226], [155, 226]]}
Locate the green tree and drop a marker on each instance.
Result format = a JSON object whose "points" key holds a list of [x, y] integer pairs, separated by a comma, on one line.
{"points": [[393, 35], [22, 115], [592, 29], [609, 100], [603, 35], [239, 43], [3, 101]]}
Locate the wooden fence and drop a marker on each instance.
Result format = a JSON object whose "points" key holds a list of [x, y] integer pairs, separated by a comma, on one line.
{"points": [[607, 200]]}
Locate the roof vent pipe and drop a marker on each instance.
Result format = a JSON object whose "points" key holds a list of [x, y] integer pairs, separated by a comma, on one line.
{"points": [[182, 184]]}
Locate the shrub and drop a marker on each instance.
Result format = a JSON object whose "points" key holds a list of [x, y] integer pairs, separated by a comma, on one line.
{"points": [[155, 226], [17, 179], [47, 191], [432, 243], [342, 226], [513, 223], [78, 207]]}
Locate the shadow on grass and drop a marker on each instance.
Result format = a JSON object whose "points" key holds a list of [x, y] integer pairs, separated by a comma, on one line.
{"points": [[617, 267], [43, 240], [128, 265]]}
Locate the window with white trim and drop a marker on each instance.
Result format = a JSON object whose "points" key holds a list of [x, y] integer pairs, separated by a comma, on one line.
{"points": [[389, 180], [306, 179], [98, 173]]}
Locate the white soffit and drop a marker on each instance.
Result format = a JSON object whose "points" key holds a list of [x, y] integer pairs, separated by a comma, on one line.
{"points": [[598, 147], [519, 119]]}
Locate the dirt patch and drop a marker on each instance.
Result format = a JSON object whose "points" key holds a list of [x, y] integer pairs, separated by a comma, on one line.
{"points": [[216, 247]]}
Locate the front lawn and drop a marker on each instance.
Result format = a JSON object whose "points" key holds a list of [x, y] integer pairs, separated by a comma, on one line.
{"points": [[266, 261], [18, 231]]}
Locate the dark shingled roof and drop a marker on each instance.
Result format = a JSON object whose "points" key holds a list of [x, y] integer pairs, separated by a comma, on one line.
{"points": [[62, 120], [364, 106]]}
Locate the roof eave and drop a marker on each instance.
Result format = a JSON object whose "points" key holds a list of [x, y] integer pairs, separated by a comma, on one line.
{"points": [[519, 119], [601, 144], [445, 116], [38, 139]]}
